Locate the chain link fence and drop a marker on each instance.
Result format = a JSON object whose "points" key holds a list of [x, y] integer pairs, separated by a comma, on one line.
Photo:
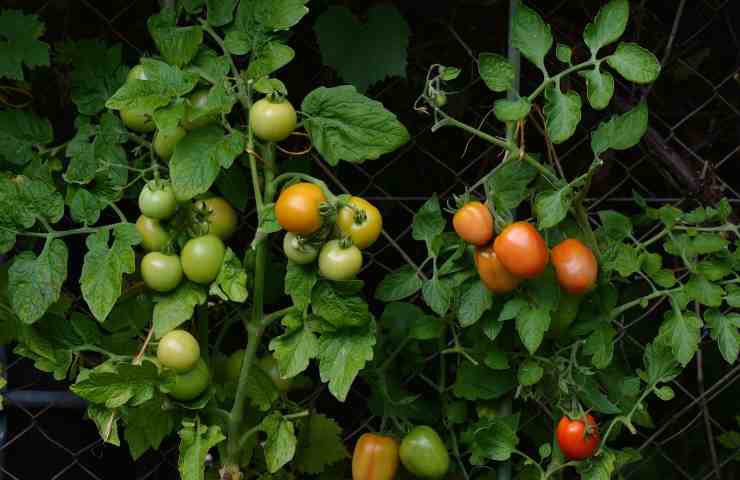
{"points": [[687, 158]]}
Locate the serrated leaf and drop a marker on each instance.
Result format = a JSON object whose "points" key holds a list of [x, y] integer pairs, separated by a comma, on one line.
{"points": [[20, 132], [345, 125], [608, 26], [475, 299], [635, 63], [268, 58], [530, 372], [597, 468], [660, 365], [164, 82], [178, 45], [20, 44], [531, 324], [599, 87], [342, 354], [299, 283], [398, 285], [494, 440], [280, 445], [531, 35], [231, 283], [551, 207], [220, 12], [724, 330], [338, 308], [508, 183], [428, 221], [496, 71], [477, 382], [147, 426], [107, 422], [176, 308], [614, 225], [124, 385], [438, 295], [195, 442], [681, 331], [97, 72], [589, 392], [562, 113], [295, 348], [512, 110], [600, 345], [704, 292], [621, 131], [319, 444]]}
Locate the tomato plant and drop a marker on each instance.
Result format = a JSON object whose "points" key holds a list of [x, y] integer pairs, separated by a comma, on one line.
{"points": [[338, 262], [188, 385], [164, 142], [153, 236], [220, 216], [522, 250], [298, 250], [424, 454], [492, 272], [297, 208], [272, 120], [375, 457], [575, 266], [197, 114], [360, 221], [576, 440], [202, 258], [161, 272], [178, 350], [473, 222], [157, 200]]}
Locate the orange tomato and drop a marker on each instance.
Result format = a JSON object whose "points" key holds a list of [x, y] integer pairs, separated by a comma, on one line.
{"points": [[474, 223], [522, 250], [492, 272], [375, 458], [575, 266], [297, 208]]}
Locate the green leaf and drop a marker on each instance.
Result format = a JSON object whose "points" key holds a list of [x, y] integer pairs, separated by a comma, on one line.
{"points": [[299, 283], [665, 393], [428, 221], [104, 267], [597, 468], [97, 72], [608, 26], [551, 207], [493, 440], [209, 65], [531, 35], [268, 58], [621, 131], [512, 308], [339, 308], [364, 53], [660, 366], [512, 110], [496, 72], [681, 331], [34, 283], [562, 113], [178, 45], [199, 157], [398, 285], [220, 12], [176, 308], [20, 132], [590, 394], [615, 226], [733, 296], [634, 63], [107, 422], [280, 445], [345, 125], [624, 259], [146, 426], [410, 320], [530, 372], [20, 44], [231, 283], [438, 295], [164, 82], [295, 348], [195, 442], [563, 53], [724, 330], [599, 87], [123, 385], [342, 354], [704, 292], [47, 355], [261, 390], [475, 299], [496, 359], [447, 74], [531, 324], [476, 382], [508, 184], [319, 444], [83, 206], [600, 345]]}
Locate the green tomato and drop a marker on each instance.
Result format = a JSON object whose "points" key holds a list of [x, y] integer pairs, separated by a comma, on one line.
{"points": [[272, 121], [178, 350], [164, 145], [566, 312], [154, 236], [157, 200], [297, 251], [202, 258], [222, 218], [440, 99], [161, 272], [424, 454], [137, 121], [337, 263], [189, 385], [194, 117], [136, 73]]}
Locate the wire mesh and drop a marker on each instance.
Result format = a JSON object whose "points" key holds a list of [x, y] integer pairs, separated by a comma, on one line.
{"points": [[687, 158]]}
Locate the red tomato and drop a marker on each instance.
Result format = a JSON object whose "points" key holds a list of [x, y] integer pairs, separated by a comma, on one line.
{"points": [[375, 458], [522, 250], [474, 223], [492, 272], [575, 265], [574, 441]]}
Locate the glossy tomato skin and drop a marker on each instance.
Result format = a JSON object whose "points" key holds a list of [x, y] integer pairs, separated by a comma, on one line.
{"points": [[573, 440], [222, 218], [193, 119], [202, 258], [178, 350], [272, 121], [424, 454], [492, 272], [297, 208], [154, 236], [522, 250], [337, 263], [164, 144], [161, 272], [137, 121], [189, 385], [366, 233], [297, 251], [375, 458], [157, 201], [575, 266], [474, 223]]}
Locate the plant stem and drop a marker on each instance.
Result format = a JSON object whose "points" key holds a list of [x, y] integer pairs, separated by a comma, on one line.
{"points": [[63, 233], [624, 307], [556, 78]]}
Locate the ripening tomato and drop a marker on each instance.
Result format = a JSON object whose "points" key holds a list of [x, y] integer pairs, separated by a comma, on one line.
{"points": [[474, 223], [575, 265], [154, 236], [522, 250], [375, 458], [573, 439], [189, 385], [178, 350], [195, 116], [137, 121], [202, 258], [297, 208], [273, 121], [161, 272], [365, 231], [157, 200], [339, 263], [298, 251], [492, 272], [424, 454], [222, 218], [164, 144]]}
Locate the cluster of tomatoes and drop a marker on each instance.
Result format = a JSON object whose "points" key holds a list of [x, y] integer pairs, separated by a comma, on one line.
{"points": [[179, 351], [200, 258], [302, 210], [519, 252], [422, 452]]}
